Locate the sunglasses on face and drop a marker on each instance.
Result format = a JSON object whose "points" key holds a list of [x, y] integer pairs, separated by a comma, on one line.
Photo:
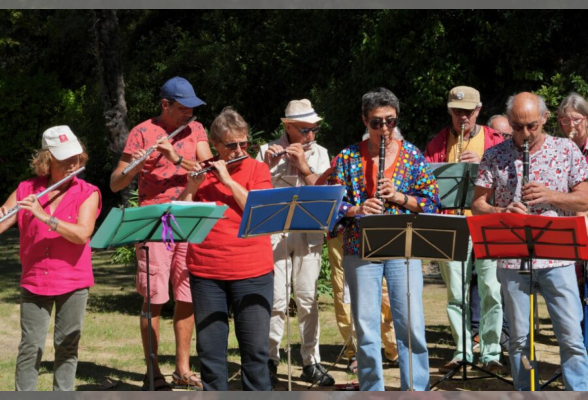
{"points": [[233, 146], [458, 112], [571, 121], [532, 127], [378, 123], [306, 131]]}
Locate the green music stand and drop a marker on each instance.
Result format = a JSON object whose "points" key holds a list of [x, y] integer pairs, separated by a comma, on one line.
{"points": [[456, 184], [176, 222]]}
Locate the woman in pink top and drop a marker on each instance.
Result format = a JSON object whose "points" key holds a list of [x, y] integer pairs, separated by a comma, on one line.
{"points": [[56, 259]]}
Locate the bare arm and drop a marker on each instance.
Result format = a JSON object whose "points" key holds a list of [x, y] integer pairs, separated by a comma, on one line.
{"points": [[10, 203], [575, 201], [78, 233], [118, 181]]}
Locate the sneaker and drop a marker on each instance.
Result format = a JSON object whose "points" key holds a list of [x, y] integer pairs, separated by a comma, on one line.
{"points": [[450, 366], [476, 341], [495, 366], [316, 373], [273, 370]]}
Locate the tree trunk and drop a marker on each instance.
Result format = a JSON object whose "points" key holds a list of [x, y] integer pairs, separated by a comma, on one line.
{"points": [[113, 86]]}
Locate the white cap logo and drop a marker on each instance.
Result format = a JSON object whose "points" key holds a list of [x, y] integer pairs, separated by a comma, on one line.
{"points": [[459, 95]]}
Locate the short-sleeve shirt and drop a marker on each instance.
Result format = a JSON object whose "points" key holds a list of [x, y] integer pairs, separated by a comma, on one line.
{"points": [[559, 164], [160, 181], [222, 255]]}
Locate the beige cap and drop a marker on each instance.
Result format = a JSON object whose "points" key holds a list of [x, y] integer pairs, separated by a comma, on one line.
{"points": [[463, 97]]}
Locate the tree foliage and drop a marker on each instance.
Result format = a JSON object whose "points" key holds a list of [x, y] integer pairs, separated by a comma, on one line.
{"points": [[258, 60]]}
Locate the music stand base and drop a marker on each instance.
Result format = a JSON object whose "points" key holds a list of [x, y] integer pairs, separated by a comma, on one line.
{"points": [[463, 365]]}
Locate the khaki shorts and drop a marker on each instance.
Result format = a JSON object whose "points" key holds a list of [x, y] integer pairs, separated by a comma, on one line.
{"points": [[164, 266]]}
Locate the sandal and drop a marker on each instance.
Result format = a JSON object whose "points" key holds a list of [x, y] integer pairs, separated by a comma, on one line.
{"points": [[159, 384], [189, 379], [352, 365]]}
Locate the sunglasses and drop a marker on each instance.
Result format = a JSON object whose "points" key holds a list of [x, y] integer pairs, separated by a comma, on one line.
{"points": [[532, 127], [306, 131], [233, 146], [378, 123], [458, 112], [571, 121]]}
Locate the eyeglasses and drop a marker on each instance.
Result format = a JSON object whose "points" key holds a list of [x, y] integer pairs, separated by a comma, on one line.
{"points": [[233, 146], [378, 123], [458, 112], [306, 131], [571, 121], [532, 127]]}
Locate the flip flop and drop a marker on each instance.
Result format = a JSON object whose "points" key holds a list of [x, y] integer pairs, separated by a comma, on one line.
{"points": [[189, 379], [352, 365]]}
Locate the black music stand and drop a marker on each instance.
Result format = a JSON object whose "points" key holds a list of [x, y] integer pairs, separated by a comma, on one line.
{"points": [[530, 237], [293, 209], [419, 236], [191, 223]]}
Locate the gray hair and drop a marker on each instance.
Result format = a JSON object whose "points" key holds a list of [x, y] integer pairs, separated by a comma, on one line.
{"points": [[492, 118], [379, 97], [540, 103], [227, 120], [574, 101]]}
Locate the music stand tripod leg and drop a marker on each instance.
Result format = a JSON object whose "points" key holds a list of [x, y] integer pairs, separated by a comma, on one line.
{"points": [[288, 344], [411, 386], [151, 357]]}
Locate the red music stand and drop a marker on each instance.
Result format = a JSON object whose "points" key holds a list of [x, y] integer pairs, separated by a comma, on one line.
{"points": [[521, 236]]}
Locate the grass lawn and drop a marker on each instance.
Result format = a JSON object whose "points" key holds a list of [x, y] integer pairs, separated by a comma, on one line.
{"points": [[111, 348]]}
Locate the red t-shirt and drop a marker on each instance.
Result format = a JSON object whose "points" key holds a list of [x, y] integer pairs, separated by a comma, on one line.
{"points": [[222, 255], [160, 181]]}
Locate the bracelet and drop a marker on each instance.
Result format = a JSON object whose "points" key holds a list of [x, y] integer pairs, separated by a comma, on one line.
{"points": [[405, 200], [179, 160], [53, 222]]}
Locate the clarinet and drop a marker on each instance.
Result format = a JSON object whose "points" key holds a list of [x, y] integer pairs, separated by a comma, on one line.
{"points": [[16, 208], [154, 147], [524, 268], [381, 168]]}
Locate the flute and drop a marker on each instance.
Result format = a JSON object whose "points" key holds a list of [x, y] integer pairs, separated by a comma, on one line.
{"points": [[208, 169], [16, 208], [524, 267], [304, 147], [382, 167], [154, 147]]}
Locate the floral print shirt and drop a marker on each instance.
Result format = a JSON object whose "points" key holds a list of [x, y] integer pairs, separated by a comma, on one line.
{"points": [[412, 176], [559, 164]]}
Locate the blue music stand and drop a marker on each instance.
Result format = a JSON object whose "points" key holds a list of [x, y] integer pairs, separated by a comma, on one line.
{"points": [[293, 209]]}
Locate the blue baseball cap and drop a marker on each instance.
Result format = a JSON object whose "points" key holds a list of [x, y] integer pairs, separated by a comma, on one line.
{"points": [[180, 90]]}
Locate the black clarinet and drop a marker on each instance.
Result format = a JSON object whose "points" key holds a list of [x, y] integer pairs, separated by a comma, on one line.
{"points": [[381, 168], [525, 268]]}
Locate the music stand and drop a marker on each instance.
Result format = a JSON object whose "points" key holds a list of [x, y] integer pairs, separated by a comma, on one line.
{"points": [[176, 221], [418, 236], [530, 237], [293, 209], [456, 184], [456, 192]]}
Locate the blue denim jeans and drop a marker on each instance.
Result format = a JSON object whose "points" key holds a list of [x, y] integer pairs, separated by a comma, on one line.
{"points": [[365, 287], [559, 288], [251, 302]]}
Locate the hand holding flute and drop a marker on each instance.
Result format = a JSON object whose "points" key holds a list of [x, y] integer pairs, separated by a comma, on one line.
{"points": [[163, 145], [295, 152]]}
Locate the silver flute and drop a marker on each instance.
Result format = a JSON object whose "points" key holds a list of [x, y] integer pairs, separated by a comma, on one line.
{"points": [[208, 169], [154, 147], [16, 208], [304, 146]]}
